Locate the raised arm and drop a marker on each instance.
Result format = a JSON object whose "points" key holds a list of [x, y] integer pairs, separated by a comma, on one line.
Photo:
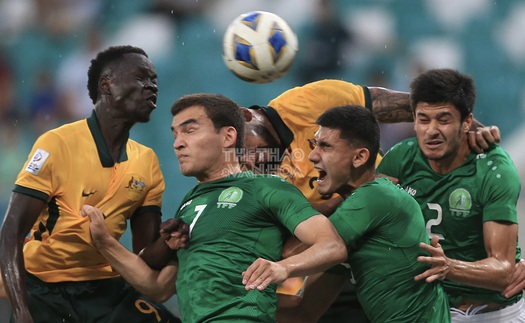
{"points": [[22, 212], [326, 249], [494, 272], [157, 285], [391, 106]]}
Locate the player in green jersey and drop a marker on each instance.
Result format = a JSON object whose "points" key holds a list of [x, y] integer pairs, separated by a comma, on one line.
{"points": [[237, 221], [468, 200], [373, 222]]}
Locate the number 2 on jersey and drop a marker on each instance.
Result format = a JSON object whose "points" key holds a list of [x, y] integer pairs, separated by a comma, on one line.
{"points": [[198, 209], [436, 207]]}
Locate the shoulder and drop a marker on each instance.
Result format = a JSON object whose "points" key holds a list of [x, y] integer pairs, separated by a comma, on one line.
{"points": [[497, 161]]}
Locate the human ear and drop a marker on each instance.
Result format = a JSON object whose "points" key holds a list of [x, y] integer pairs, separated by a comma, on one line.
{"points": [[246, 114], [229, 137], [361, 157]]}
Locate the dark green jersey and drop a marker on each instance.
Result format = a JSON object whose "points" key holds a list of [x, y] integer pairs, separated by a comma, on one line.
{"points": [[455, 205], [382, 227], [233, 221]]}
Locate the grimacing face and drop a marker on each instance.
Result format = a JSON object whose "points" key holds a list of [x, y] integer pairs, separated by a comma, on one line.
{"points": [[439, 130], [134, 88], [332, 158], [198, 146]]}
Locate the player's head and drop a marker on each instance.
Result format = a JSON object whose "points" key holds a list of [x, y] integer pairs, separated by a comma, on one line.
{"points": [[124, 78], [103, 59], [205, 126], [444, 86], [442, 101], [264, 146], [346, 146]]}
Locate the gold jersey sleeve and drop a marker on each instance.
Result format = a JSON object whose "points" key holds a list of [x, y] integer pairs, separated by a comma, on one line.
{"points": [[65, 167], [299, 108]]}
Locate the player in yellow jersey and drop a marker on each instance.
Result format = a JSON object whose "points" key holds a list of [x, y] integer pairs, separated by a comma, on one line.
{"points": [[278, 135], [58, 275]]}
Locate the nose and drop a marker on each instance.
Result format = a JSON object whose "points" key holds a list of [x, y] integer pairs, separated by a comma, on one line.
{"points": [[178, 144], [151, 86], [313, 156], [432, 128]]}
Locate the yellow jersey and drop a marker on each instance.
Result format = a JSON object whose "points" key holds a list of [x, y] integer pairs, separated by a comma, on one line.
{"points": [[69, 167], [298, 109]]}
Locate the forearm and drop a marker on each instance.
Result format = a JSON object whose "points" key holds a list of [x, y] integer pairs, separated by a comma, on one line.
{"points": [[157, 254], [322, 255], [14, 279], [391, 106], [489, 273], [157, 285]]}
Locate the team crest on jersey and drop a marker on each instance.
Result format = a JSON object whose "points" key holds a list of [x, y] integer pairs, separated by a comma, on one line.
{"points": [[460, 203], [37, 161], [135, 187], [229, 198]]}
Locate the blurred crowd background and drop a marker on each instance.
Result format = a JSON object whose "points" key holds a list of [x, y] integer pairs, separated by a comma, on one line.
{"points": [[46, 47]]}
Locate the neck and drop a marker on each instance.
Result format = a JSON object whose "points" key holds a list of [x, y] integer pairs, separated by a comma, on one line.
{"points": [[228, 166], [114, 130], [448, 164], [356, 181]]}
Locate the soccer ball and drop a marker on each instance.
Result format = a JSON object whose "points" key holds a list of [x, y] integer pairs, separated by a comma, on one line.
{"points": [[259, 47]]}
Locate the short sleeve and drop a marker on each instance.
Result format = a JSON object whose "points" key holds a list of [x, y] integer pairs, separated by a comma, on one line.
{"points": [[47, 167], [285, 202]]}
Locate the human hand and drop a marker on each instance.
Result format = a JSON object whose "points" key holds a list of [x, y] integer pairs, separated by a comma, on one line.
{"points": [[175, 233], [483, 137], [440, 264], [262, 273], [97, 227], [517, 283]]}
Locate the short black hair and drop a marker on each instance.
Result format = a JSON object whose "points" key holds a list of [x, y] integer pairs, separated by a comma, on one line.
{"points": [[222, 111], [357, 125], [103, 59], [444, 86]]}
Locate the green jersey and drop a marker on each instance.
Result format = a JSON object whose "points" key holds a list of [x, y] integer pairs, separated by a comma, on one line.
{"points": [[382, 227], [484, 188], [233, 221]]}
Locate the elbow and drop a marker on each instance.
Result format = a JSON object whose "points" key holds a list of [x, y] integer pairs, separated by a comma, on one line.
{"points": [[339, 252], [161, 295]]}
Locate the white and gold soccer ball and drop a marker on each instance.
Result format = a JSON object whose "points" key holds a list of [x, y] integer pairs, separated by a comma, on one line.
{"points": [[259, 47]]}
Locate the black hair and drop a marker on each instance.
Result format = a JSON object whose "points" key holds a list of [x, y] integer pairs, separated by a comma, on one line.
{"points": [[357, 125], [103, 59], [444, 86], [222, 111]]}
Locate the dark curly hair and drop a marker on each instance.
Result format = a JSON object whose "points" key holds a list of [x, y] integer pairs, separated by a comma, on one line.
{"points": [[99, 63]]}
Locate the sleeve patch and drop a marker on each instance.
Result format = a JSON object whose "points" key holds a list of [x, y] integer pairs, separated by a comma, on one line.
{"points": [[37, 162]]}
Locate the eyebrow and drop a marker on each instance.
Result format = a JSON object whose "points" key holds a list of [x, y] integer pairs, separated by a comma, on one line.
{"points": [[185, 123], [439, 115]]}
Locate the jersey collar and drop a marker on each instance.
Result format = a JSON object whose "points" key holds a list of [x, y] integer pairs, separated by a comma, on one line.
{"points": [[284, 133], [102, 148]]}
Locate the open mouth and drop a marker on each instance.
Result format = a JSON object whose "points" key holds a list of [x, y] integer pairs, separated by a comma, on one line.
{"points": [[152, 100], [322, 175], [433, 143]]}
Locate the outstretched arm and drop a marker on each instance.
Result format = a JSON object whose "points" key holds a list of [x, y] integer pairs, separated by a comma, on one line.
{"points": [[157, 285], [493, 272], [391, 106], [326, 249]]}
